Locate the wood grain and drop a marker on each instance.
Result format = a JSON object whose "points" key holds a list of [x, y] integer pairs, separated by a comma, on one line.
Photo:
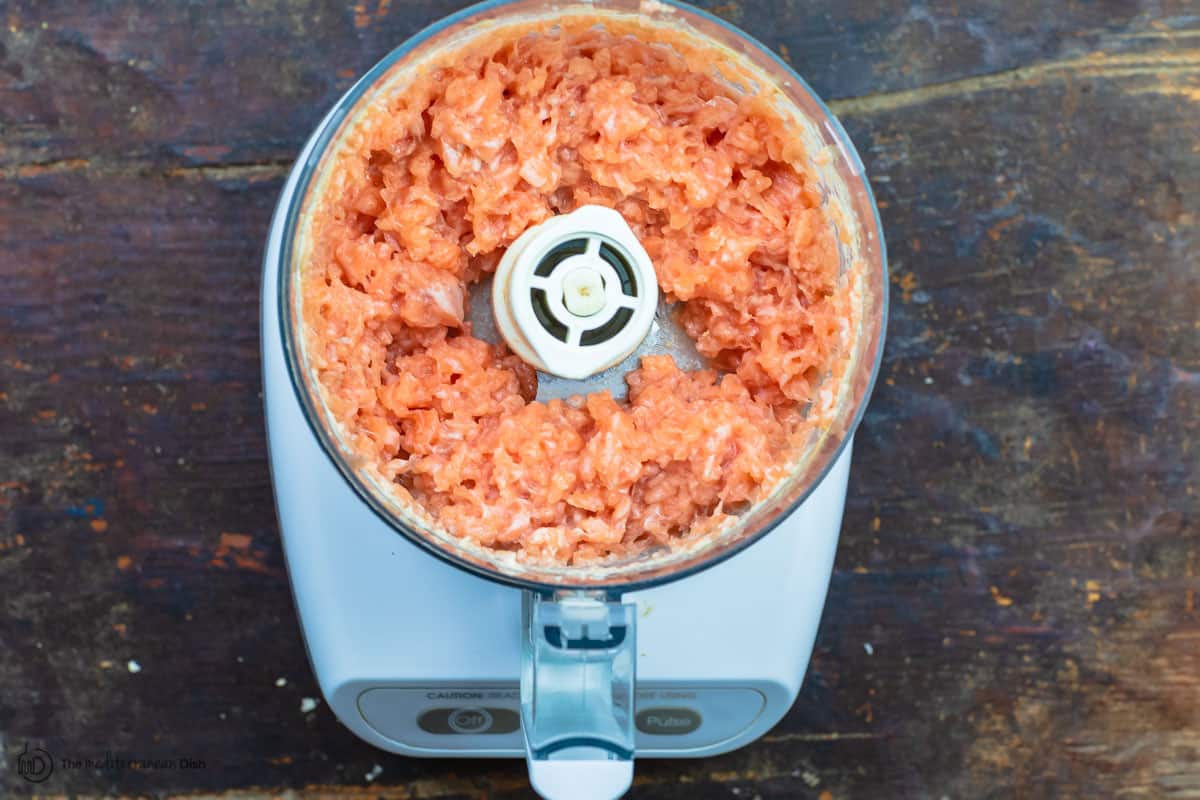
{"points": [[1013, 611]]}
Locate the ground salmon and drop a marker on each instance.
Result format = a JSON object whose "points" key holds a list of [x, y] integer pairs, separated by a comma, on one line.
{"points": [[433, 182]]}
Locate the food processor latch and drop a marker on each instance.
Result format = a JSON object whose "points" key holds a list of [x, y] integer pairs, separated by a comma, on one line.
{"points": [[579, 664]]}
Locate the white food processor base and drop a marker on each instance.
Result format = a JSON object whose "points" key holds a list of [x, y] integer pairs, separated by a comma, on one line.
{"points": [[418, 657]]}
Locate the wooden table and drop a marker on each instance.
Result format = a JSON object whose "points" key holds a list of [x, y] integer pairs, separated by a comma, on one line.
{"points": [[1014, 608]]}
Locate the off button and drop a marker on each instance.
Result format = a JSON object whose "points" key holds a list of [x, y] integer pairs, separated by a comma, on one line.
{"points": [[667, 721], [468, 720]]}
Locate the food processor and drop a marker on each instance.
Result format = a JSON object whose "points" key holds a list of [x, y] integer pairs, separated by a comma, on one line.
{"points": [[429, 646]]}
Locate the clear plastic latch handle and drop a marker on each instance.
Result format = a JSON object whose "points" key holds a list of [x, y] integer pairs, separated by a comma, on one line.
{"points": [[578, 673]]}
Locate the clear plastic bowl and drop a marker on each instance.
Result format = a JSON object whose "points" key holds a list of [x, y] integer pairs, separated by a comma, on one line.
{"points": [[863, 262]]}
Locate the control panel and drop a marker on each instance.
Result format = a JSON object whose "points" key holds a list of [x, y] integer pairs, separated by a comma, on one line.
{"points": [[669, 719]]}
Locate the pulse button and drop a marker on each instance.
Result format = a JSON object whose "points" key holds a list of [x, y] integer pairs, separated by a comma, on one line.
{"points": [[667, 721]]}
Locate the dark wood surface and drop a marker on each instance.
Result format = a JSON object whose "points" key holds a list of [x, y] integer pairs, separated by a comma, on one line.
{"points": [[1014, 607]]}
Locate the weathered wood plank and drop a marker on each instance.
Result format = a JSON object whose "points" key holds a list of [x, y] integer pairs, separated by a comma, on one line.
{"points": [[1014, 607], [244, 82]]}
